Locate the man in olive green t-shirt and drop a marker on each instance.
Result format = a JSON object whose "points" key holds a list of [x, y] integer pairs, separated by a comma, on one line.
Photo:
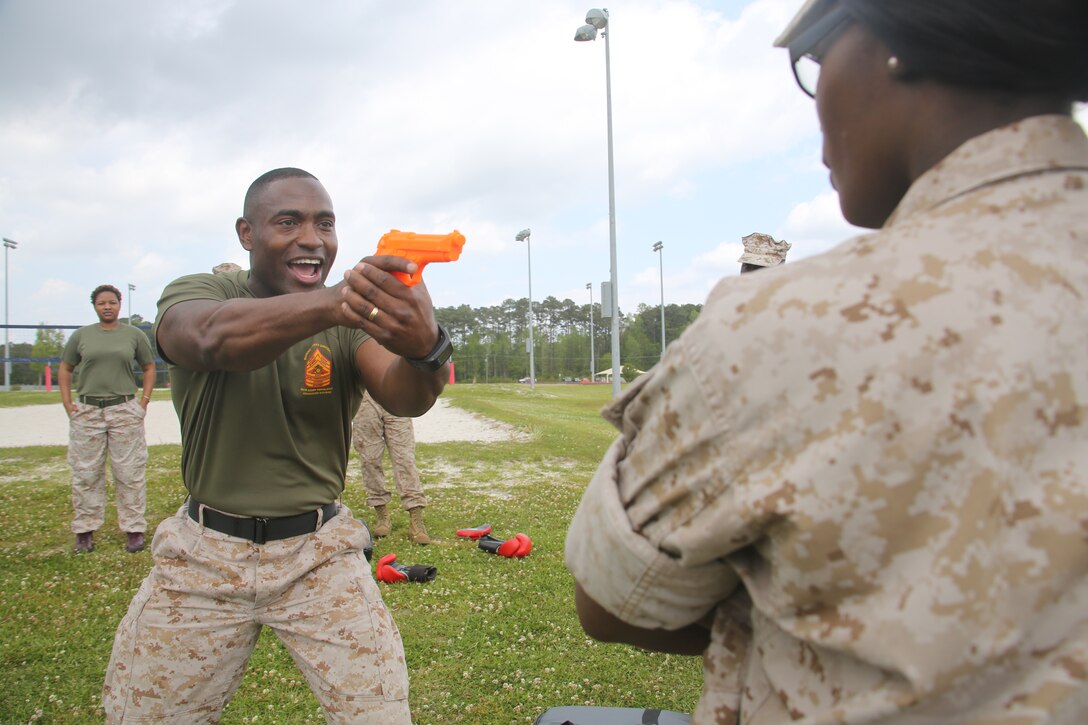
{"points": [[267, 369], [107, 417]]}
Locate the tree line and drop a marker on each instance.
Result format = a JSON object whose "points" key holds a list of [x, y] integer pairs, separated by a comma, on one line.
{"points": [[491, 343]]}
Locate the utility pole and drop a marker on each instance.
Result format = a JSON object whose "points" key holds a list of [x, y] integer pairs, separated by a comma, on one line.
{"points": [[592, 341], [661, 264]]}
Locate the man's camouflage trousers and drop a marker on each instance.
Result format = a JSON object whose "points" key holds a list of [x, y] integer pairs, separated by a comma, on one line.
{"points": [[374, 430], [182, 649], [118, 430]]}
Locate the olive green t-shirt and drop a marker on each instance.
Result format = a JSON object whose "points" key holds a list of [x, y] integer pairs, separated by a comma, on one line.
{"points": [[105, 357], [272, 441]]}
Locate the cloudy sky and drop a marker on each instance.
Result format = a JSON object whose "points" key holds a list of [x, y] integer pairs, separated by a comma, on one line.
{"points": [[129, 131]]}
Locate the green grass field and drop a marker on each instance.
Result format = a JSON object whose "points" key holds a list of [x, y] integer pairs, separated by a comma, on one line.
{"points": [[490, 641], [20, 398]]}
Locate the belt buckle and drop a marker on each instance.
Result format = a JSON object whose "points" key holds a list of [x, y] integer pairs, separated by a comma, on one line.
{"points": [[260, 530]]}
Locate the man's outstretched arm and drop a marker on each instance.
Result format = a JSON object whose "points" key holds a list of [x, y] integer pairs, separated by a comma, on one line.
{"points": [[249, 333], [243, 334]]}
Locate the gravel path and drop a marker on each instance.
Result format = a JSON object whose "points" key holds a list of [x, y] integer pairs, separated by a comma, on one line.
{"points": [[47, 425]]}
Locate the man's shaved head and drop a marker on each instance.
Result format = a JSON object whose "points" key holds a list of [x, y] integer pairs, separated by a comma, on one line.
{"points": [[267, 178]]}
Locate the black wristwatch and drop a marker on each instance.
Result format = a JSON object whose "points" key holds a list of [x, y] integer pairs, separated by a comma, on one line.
{"points": [[442, 351]]}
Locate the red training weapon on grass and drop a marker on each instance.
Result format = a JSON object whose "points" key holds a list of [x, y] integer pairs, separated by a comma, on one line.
{"points": [[421, 249]]}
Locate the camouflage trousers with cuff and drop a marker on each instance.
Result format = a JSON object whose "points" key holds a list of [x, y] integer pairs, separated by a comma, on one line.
{"points": [[182, 648], [119, 431], [372, 432]]}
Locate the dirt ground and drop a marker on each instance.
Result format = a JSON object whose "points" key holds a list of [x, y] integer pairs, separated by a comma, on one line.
{"points": [[47, 425]]}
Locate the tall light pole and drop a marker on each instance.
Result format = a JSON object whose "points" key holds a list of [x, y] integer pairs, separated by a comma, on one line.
{"points": [[8, 244], [658, 246], [592, 346], [523, 236], [598, 20], [131, 289]]}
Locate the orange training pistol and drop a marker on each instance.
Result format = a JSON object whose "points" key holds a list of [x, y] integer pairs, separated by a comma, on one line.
{"points": [[421, 249]]}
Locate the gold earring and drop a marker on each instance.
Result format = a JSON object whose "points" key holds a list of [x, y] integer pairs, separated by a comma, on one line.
{"points": [[893, 64]]}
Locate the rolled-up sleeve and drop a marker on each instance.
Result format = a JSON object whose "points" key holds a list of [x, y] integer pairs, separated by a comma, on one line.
{"points": [[650, 539], [627, 574]]}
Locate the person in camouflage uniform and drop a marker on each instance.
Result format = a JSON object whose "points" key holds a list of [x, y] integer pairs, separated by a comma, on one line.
{"points": [[107, 417], [267, 369], [372, 432], [856, 485]]}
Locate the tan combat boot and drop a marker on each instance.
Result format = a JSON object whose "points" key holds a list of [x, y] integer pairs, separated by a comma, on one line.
{"points": [[383, 526], [417, 532]]}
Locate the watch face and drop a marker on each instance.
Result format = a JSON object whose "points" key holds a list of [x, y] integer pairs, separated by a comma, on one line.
{"points": [[442, 352], [445, 349]]}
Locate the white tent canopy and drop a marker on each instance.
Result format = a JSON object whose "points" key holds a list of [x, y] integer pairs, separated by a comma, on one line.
{"points": [[607, 373]]}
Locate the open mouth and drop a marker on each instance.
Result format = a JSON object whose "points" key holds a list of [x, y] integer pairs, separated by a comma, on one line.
{"points": [[306, 270]]}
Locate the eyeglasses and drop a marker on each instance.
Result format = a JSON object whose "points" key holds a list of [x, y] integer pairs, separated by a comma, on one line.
{"points": [[808, 48]]}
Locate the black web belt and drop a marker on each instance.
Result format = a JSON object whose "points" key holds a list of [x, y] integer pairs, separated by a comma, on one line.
{"points": [[260, 530], [100, 402]]}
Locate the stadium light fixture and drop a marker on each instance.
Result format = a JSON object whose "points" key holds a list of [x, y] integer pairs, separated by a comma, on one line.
{"points": [[523, 236]]}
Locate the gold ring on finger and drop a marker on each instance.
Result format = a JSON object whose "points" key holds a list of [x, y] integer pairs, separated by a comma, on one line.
{"points": [[373, 314]]}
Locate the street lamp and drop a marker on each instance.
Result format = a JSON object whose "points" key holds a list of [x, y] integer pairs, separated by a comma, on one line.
{"points": [[658, 246], [8, 244], [523, 236], [131, 289], [598, 20], [592, 359]]}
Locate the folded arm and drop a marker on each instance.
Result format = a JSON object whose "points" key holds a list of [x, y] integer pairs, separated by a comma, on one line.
{"points": [[601, 625], [647, 571]]}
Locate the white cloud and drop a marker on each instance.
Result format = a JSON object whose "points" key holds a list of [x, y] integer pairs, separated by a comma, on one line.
{"points": [[130, 132], [815, 226]]}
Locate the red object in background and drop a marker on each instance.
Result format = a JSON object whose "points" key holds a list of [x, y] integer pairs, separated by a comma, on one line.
{"points": [[517, 547], [451, 372], [475, 532], [387, 573], [48, 377]]}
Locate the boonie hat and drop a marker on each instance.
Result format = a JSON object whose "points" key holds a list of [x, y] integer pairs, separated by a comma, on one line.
{"points": [[763, 250]]}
